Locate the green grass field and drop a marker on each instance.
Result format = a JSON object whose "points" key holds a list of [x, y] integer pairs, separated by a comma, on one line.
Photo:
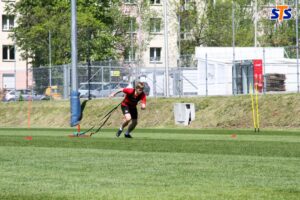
{"points": [[155, 164]]}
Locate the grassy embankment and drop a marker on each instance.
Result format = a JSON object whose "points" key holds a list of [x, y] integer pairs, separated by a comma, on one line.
{"points": [[276, 111]]}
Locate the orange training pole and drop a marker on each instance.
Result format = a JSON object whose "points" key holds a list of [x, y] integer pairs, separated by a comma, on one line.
{"points": [[78, 128]]}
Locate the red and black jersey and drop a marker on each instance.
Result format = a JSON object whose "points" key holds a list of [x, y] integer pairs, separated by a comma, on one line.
{"points": [[131, 99]]}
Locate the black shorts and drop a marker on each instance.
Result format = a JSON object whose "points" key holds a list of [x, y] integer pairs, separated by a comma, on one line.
{"points": [[131, 110]]}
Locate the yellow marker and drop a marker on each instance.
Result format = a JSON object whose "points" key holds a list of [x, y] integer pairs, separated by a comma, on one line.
{"points": [[257, 114], [253, 109]]}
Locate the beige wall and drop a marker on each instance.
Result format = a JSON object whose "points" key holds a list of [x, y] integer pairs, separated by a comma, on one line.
{"points": [[157, 39], [8, 67]]}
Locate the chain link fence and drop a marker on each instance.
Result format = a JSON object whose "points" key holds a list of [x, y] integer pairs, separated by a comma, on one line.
{"points": [[268, 70], [210, 76], [101, 78]]}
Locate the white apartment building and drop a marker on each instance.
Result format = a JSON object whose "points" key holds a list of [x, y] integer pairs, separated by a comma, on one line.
{"points": [[152, 43], [13, 70]]}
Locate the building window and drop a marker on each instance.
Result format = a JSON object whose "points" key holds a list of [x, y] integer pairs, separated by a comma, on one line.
{"points": [[186, 27], [129, 1], [7, 22], [129, 54], [185, 32], [189, 4], [155, 24], [8, 52], [154, 2], [131, 24], [155, 54]]}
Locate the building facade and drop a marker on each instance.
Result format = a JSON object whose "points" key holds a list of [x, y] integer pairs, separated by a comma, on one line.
{"points": [[151, 42], [147, 48], [14, 73]]}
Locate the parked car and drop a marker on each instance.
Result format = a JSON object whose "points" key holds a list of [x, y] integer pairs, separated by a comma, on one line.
{"points": [[113, 87], [23, 95], [95, 88]]}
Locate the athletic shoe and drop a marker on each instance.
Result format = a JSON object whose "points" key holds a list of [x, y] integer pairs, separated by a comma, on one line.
{"points": [[128, 136], [119, 132]]}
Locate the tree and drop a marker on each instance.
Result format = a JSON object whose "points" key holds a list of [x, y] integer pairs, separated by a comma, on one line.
{"points": [[212, 24], [99, 29], [219, 28], [277, 34]]}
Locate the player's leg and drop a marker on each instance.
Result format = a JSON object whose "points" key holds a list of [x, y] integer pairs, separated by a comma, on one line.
{"points": [[134, 117], [131, 126], [126, 120]]}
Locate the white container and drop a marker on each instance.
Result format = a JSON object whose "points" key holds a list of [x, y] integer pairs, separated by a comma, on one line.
{"points": [[184, 113]]}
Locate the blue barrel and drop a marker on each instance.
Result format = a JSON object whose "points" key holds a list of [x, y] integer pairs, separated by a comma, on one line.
{"points": [[75, 108]]}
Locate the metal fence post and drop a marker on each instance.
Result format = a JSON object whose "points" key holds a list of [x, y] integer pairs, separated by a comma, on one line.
{"points": [[206, 80], [50, 60], [65, 81], [154, 80], [233, 50], [180, 82], [102, 76], [297, 46], [69, 66], [109, 75], [264, 71], [89, 78]]}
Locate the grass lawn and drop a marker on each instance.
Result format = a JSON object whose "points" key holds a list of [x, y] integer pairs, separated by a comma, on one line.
{"points": [[155, 164]]}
